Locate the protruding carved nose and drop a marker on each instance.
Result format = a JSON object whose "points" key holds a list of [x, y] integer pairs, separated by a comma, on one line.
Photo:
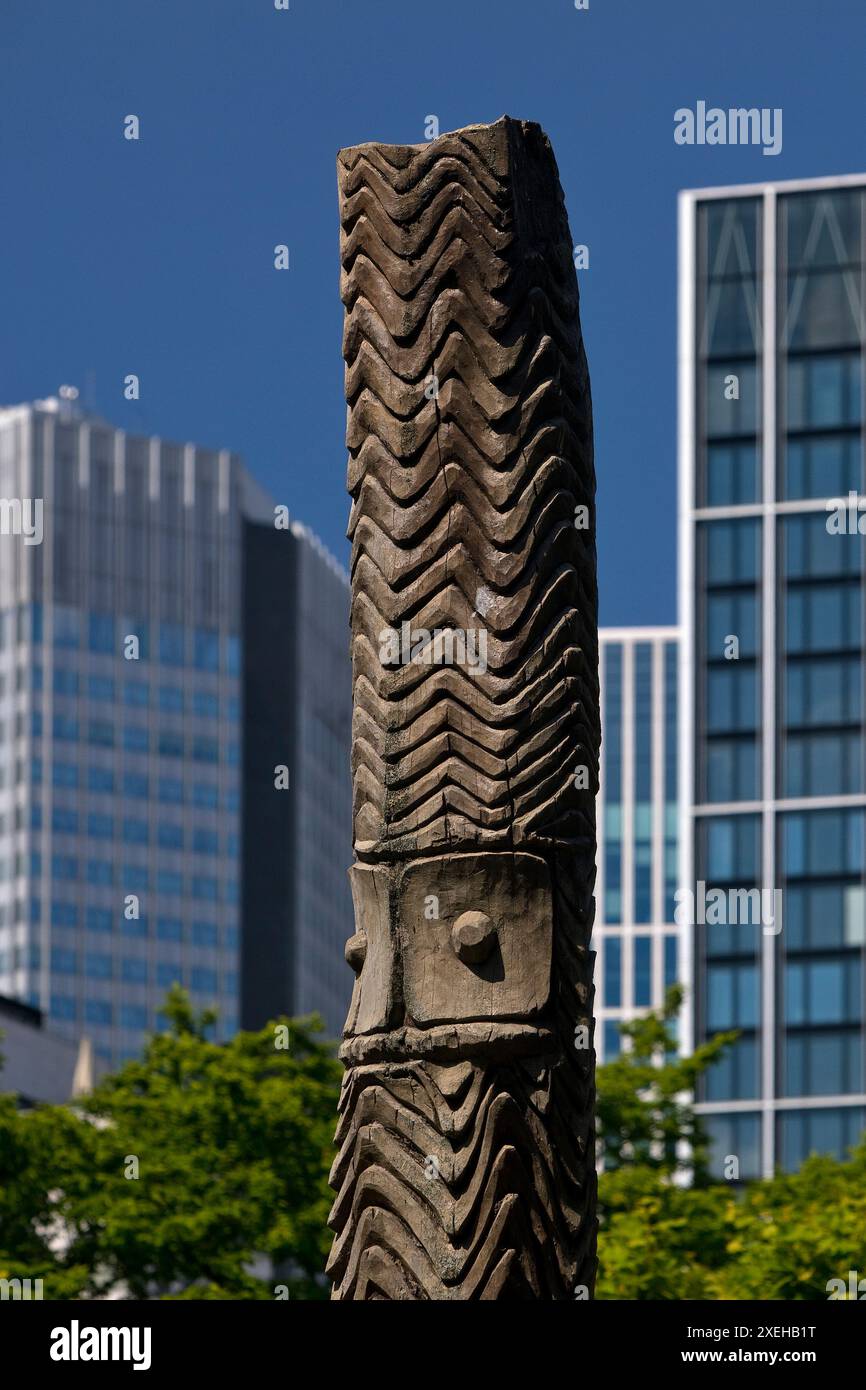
{"points": [[356, 951], [473, 937]]}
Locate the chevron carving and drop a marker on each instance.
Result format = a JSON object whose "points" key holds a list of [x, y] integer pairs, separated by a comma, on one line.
{"points": [[465, 1165]]}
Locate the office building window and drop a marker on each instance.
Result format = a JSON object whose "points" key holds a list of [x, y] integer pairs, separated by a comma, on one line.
{"points": [[206, 650], [824, 751], [135, 738], [643, 806], [613, 972], [64, 820], [831, 1130], [169, 835], [170, 743], [169, 928], [135, 784], [670, 960], [65, 727], [171, 790], [729, 343], [135, 832], [101, 733], [135, 927], [133, 970], [728, 951], [136, 878], [171, 645], [102, 632], [738, 1137], [136, 694], [821, 1026], [612, 1040], [97, 1012], [63, 1007], [67, 626], [206, 704], [133, 1016], [167, 881], [204, 934], [65, 682], [97, 965], [98, 919], [205, 794], [171, 699], [64, 866], [612, 751], [205, 749], [100, 779], [728, 569], [64, 914], [63, 961], [642, 971], [101, 688]]}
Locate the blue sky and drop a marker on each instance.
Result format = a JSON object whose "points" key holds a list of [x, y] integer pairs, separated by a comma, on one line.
{"points": [[156, 257]]}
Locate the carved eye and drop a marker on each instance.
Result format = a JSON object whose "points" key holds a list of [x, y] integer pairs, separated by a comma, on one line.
{"points": [[473, 937], [356, 951]]}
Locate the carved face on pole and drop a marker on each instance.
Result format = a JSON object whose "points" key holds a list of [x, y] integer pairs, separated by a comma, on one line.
{"points": [[449, 950], [466, 1141]]}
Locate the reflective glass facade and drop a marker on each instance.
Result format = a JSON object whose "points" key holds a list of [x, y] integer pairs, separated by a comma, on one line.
{"points": [[634, 933], [121, 728], [771, 439], [323, 914]]}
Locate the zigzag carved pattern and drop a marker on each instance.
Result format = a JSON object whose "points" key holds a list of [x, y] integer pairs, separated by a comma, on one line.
{"points": [[456, 264], [466, 1159], [450, 1186], [474, 1180]]}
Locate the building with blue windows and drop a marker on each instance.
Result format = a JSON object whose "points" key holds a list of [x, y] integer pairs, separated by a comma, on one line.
{"points": [[773, 789], [635, 937], [127, 679], [297, 843]]}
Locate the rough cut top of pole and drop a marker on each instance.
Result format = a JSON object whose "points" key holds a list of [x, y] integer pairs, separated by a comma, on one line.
{"points": [[471, 473]]}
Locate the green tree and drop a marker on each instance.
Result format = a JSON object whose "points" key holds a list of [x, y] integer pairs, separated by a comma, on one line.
{"points": [[662, 1239], [183, 1167], [645, 1111], [34, 1148], [784, 1238]]}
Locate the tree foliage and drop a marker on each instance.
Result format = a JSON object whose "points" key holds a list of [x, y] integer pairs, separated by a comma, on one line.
{"points": [[183, 1169], [784, 1238], [644, 1112], [180, 1170], [661, 1239]]}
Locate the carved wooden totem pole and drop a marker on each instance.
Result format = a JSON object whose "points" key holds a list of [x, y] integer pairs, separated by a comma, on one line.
{"points": [[466, 1143]]}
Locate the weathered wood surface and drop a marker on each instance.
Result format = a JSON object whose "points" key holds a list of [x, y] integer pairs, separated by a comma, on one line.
{"points": [[466, 1151]]}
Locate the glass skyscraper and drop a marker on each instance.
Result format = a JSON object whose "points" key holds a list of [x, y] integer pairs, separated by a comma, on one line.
{"points": [[634, 936], [297, 843], [771, 325], [125, 670]]}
